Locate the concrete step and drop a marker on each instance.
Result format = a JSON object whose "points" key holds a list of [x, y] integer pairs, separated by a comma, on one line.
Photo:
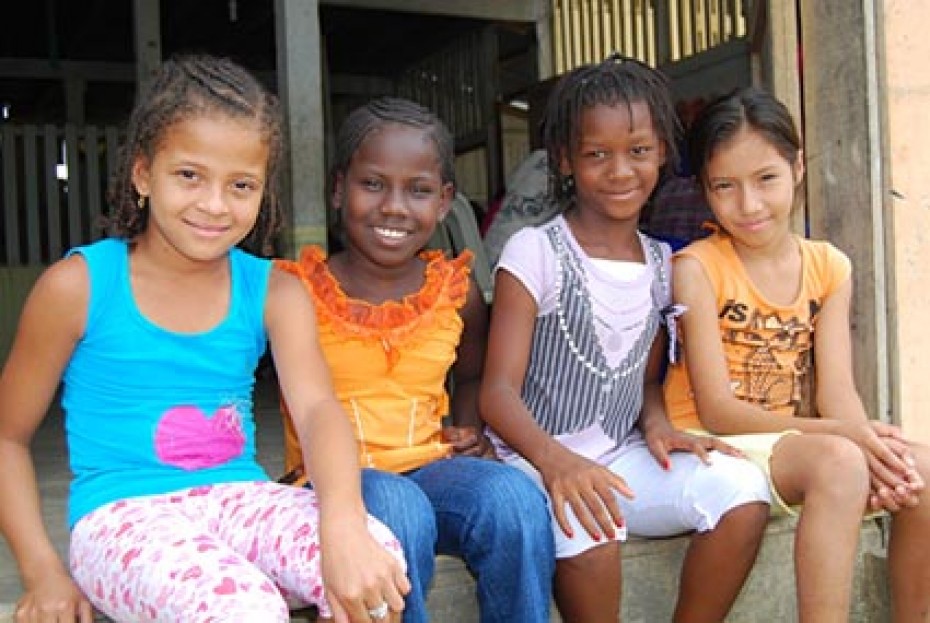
{"points": [[650, 581], [650, 572]]}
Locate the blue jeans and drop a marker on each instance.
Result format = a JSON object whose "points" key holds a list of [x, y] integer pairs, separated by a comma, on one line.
{"points": [[489, 514]]}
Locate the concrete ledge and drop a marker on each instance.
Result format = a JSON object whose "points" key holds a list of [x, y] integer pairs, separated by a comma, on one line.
{"points": [[651, 568], [650, 571]]}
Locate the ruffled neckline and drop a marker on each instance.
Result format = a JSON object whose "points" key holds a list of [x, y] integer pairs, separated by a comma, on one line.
{"points": [[445, 283]]}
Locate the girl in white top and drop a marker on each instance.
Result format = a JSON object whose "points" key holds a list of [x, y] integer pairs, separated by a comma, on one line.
{"points": [[572, 387]]}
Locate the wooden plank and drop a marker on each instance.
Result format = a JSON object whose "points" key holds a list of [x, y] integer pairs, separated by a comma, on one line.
{"points": [[785, 80], [629, 47], [94, 198], [52, 197], [10, 196], [843, 156], [72, 145], [584, 31], [616, 37], [558, 39], [503, 10], [31, 177], [577, 54], [649, 33], [111, 136], [690, 22]]}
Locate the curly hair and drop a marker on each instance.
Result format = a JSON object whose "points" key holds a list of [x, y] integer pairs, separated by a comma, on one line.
{"points": [[617, 80], [186, 87]]}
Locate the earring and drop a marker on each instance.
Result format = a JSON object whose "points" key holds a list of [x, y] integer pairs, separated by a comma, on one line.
{"points": [[141, 202], [567, 185]]}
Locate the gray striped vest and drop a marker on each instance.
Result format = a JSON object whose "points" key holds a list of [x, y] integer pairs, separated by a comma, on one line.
{"points": [[569, 385]]}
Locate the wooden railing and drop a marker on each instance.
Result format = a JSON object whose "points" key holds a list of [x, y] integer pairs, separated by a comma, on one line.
{"points": [[654, 31], [454, 84], [52, 187]]}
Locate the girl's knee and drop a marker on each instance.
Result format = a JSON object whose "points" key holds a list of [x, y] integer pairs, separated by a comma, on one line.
{"points": [[838, 459], [732, 481], [512, 494], [750, 517], [826, 466]]}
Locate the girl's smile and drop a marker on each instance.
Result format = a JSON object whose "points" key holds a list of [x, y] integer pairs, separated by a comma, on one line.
{"points": [[617, 160], [392, 195], [203, 185], [751, 188]]}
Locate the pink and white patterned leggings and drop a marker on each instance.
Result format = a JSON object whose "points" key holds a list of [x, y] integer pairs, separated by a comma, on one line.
{"points": [[232, 552]]}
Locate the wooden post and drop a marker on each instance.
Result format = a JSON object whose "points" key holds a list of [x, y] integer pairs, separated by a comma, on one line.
{"points": [[783, 51], [147, 21], [841, 110], [300, 86]]}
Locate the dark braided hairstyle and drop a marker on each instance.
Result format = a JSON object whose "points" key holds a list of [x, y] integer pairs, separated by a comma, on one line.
{"points": [[186, 87], [392, 110], [615, 81]]}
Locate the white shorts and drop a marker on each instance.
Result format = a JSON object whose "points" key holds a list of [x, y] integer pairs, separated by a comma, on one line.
{"points": [[690, 496]]}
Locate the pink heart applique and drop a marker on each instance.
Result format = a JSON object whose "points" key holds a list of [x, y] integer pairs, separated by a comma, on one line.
{"points": [[226, 587], [186, 438]]}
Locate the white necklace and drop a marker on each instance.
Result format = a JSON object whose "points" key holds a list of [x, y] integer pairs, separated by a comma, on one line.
{"points": [[602, 370]]}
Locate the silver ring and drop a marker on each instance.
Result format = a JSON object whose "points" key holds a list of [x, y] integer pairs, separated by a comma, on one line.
{"points": [[379, 612]]}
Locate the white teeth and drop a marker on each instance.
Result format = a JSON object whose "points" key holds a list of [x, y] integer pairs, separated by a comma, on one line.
{"points": [[390, 233]]}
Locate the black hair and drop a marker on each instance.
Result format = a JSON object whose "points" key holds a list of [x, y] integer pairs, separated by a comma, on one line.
{"points": [[617, 80], [392, 110], [748, 107], [185, 87]]}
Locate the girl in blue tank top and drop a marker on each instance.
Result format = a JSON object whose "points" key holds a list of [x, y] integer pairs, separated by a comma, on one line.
{"points": [[156, 333]]}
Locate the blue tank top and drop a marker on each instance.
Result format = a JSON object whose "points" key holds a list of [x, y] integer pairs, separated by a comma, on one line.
{"points": [[149, 411]]}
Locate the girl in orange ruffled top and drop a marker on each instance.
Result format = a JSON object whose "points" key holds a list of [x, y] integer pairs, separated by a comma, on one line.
{"points": [[393, 321]]}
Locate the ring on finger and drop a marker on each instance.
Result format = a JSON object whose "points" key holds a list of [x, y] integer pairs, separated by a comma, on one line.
{"points": [[378, 612]]}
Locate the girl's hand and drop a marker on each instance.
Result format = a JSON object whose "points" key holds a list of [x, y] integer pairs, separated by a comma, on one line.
{"points": [[906, 493], [54, 598], [589, 489], [358, 573], [662, 441], [889, 470], [468, 441]]}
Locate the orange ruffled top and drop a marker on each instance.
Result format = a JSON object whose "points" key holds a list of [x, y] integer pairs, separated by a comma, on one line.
{"points": [[388, 361]]}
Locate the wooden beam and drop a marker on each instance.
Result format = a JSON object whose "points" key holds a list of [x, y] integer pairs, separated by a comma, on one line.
{"points": [[147, 38], [510, 10], [843, 152], [300, 87], [783, 50], [44, 69]]}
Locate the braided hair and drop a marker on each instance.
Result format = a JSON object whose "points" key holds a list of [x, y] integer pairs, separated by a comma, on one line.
{"points": [[186, 87], [617, 80], [392, 110]]}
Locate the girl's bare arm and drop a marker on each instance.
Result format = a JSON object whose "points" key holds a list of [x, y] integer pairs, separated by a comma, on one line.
{"points": [[719, 409], [570, 478], [357, 570], [466, 435], [51, 323]]}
